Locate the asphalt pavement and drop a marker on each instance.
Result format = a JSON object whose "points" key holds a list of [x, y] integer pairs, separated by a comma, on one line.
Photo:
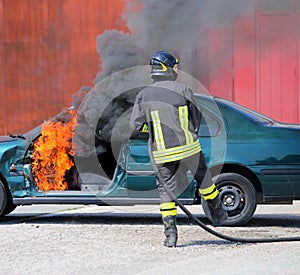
{"points": [[72, 239]]}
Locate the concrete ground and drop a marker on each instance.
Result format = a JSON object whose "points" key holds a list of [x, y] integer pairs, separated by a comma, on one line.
{"points": [[112, 240]]}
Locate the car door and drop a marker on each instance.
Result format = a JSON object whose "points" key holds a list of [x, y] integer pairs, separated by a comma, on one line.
{"points": [[140, 178], [213, 137]]}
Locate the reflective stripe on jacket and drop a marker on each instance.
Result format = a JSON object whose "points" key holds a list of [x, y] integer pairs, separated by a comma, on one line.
{"points": [[169, 110]]}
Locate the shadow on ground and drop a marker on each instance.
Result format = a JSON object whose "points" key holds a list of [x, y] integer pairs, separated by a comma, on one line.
{"points": [[261, 220]]}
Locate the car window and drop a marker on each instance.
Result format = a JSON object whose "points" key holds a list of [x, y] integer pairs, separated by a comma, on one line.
{"points": [[255, 116], [209, 125]]}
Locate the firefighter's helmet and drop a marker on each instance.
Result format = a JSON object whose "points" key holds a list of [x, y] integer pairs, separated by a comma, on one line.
{"points": [[162, 64]]}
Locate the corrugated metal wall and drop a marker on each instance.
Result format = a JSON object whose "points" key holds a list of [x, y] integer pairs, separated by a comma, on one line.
{"points": [[48, 51], [256, 61]]}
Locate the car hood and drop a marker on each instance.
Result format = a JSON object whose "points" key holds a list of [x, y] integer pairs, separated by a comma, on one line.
{"points": [[11, 146], [6, 139]]}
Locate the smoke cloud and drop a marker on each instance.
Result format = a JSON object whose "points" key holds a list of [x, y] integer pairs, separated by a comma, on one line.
{"points": [[178, 26]]}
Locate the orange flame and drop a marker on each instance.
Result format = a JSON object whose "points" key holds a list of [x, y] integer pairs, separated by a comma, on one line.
{"points": [[52, 154]]}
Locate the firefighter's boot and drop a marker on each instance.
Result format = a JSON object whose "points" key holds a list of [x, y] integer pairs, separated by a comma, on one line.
{"points": [[218, 214], [170, 231], [212, 201]]}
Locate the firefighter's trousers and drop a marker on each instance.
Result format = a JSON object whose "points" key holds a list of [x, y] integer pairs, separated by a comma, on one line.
{"points": [[174, 174]]}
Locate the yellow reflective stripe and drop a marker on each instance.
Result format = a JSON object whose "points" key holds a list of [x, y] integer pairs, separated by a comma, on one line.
{"points": [[207, 190], [159, 138], [166, 213], [182, 153], [164, 68], [177, 149], [184, 123], [145, 128], [175, 157], [168, 209], [211, 196], [167, 205], [209, 193]]}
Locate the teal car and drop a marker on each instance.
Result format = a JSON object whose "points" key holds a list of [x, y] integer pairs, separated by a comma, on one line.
{"points": [[253, 160]]}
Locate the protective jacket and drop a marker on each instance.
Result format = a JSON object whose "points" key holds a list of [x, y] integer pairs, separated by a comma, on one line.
{"points": [[168, 110]]}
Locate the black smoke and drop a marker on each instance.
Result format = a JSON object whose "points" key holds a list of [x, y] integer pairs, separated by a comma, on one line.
{"points": [[178, 26]]}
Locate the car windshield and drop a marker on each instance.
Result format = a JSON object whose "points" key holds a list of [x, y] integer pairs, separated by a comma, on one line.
{"points": [[257, 117]]}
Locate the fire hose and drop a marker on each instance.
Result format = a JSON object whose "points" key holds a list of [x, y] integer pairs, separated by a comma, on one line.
{"points": [[208, 229]]}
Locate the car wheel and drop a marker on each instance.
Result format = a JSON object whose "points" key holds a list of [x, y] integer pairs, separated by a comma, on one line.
{"points": [[3, 199], [9, 208], [237, 196]]}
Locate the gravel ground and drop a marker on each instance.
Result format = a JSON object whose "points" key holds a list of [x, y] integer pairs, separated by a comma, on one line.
{"points": [[107, 240]]}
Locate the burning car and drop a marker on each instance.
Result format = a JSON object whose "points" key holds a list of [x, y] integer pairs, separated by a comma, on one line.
{"points": [[253, 159]]}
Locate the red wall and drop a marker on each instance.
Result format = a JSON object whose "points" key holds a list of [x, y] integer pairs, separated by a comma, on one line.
{"points": [[256, 62], [48, 51]]}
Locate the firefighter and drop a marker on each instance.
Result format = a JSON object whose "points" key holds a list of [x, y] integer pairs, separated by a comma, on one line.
{"points": [[167, 110]]}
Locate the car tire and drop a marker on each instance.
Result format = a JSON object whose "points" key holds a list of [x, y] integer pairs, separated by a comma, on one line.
{"points": [[3, 199], [9, 208], [238, 198]]}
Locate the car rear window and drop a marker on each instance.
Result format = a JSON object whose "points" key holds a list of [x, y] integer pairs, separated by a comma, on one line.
{"points": [[255, 116]]}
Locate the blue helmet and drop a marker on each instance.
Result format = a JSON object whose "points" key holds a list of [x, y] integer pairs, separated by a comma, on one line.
{"points": [[162, 64]]}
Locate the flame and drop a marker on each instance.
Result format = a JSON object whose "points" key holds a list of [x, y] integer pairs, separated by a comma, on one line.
{"points": [[52, 152]]}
